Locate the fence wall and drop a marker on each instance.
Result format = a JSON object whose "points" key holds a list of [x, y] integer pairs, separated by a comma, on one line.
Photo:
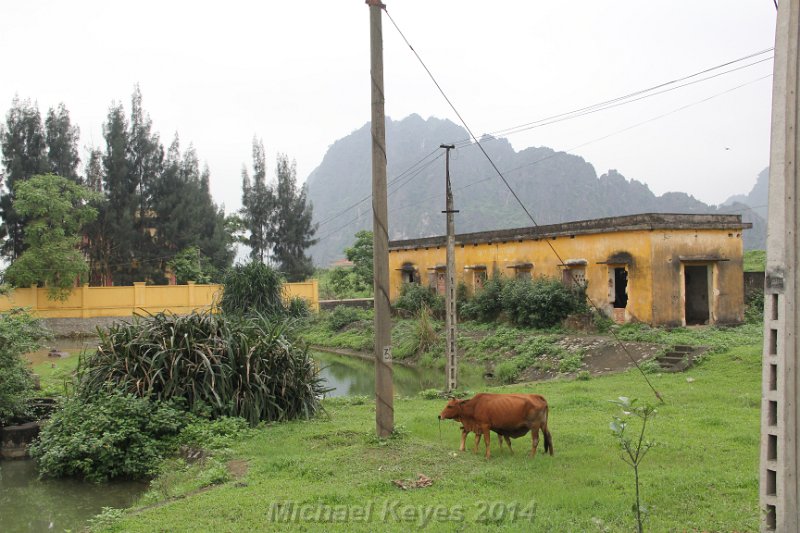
{"points": [[93, 302]]}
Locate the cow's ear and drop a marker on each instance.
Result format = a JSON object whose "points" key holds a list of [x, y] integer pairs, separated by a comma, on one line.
{"points": [[462, 402]]}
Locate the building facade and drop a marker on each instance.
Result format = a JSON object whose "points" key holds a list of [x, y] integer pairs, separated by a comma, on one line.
{"points": [[656, 268]]}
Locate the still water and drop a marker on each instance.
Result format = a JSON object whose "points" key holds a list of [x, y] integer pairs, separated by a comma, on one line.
{"points": [[28, 504]]}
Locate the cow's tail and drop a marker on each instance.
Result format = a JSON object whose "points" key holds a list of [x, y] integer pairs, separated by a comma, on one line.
{"points": [[548, 439]]}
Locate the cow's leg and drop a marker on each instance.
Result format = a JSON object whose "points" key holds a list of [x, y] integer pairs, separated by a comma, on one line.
{"points": [[463, 439], [486, 438], [477, 441], [508, 441], [534, 440]]}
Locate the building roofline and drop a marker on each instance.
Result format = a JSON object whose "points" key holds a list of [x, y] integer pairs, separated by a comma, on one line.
{"points": [[640, 222]]}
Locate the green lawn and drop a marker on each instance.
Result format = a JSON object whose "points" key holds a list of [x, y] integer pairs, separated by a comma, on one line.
{"points": [[702, 476]]}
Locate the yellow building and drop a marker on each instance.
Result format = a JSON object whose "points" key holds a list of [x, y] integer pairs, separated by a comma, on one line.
{"points": [[661, 269]]}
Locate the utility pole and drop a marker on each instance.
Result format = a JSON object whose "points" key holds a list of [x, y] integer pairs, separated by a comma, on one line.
{"points": [[780, 469], [384, 389], [451, 351]]}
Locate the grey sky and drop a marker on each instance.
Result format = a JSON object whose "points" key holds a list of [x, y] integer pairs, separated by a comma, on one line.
{"points": [[296, 73]]}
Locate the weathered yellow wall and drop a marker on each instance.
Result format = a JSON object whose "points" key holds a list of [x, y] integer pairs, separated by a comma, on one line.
{"points": [[91, 302], [727, 284], [655, 261], [594, 248]]}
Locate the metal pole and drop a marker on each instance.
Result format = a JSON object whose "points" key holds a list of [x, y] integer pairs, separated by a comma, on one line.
{"points": [[451, 350], [384, 393], [780, 438]]}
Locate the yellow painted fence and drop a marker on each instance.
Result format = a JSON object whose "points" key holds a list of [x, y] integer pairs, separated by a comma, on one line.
{"points": [[92, 302]]}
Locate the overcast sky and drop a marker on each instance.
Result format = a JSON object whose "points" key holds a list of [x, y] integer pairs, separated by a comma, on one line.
{"points": [[296, 73]]}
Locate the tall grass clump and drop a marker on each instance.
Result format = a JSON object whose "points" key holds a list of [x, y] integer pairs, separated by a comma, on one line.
{"points": [[252, 288], [218, 365]]}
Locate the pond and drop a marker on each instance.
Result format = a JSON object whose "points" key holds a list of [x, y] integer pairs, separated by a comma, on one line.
{"points": [[30, 504], [349, 376]]}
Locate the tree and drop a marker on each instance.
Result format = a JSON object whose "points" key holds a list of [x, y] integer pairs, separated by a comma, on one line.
{"points": [[62, 144], [361, 256], [23, 145], [258, 202], [57, 209], [292, 223], [97, 242], [186, 216], [190, 265]]}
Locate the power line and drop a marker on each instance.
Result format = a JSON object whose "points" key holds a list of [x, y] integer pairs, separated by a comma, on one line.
{"points": [[513, 192]]}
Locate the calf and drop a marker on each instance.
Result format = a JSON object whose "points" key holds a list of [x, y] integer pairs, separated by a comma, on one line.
{"points": [[508, 415]]}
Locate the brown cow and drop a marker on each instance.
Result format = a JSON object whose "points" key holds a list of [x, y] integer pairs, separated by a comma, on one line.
{"points": [[508, 415]]}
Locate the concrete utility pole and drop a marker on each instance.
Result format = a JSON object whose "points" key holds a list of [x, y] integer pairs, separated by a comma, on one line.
{"points": [[451, 350], [384, 389], [779, 476]]}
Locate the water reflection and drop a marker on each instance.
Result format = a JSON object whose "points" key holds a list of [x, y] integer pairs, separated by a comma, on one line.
{"points": [[351, 376], [30, 504]]}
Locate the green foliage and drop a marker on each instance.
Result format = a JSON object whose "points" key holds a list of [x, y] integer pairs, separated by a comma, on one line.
{"points": [[634, 449], [19, 333], [583, 375], [339, 283], [56, 209], [755, 260], [191, 265], [414, 337], [297, 307], [252, 288], [413, 297], [212, 434], [485, 306], [361, 256], [218, 365], [754, 307], [111, 435], [506, 372], [342, 316], [430, 394], [540, 303]]}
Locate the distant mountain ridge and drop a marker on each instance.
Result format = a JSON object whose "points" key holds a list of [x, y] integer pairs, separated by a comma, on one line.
{"points": [[554, 186]]}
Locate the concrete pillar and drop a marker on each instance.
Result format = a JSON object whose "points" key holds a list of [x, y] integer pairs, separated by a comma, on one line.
{"points": [[139, 295], [779, 418]]}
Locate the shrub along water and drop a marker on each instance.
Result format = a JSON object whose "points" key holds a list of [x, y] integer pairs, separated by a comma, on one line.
{"points": [[219, 365], [252, 288]]}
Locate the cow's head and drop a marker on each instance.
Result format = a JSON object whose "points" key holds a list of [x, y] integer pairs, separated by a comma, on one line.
{"points": [[451, 411]]}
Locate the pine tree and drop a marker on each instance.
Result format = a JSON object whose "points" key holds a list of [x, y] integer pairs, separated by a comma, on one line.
{"points": [[292, 223], [62, 143], [97, 242], [258, 202], [24, 155]]}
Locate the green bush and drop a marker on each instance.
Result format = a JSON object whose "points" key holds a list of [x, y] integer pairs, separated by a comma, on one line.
{"points": [[20, 333], [218, 365], [485, 306], [114, 435], [212, 434], [414, 296], [506, 372], [540, 303], [297, 307], [754, 307], [252, 288], [414, 337], [342, 316]]}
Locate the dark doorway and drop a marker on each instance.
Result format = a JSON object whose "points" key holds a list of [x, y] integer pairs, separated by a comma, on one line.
{"points": [[620, 288], [696, 294]]}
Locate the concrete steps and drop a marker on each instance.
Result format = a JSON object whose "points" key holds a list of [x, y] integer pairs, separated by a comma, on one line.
{"points": [[679, 358]]}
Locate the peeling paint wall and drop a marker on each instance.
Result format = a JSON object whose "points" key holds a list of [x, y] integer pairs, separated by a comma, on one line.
{"points": [[654, 260]]}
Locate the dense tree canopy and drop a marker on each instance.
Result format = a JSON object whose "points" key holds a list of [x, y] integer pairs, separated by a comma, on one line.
{"points": [[56, 209]]}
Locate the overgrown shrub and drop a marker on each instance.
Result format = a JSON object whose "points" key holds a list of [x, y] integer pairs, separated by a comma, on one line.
{"points": [[485, 305], [754, 306], [113, 435], [218, 365], [414, 296], [540, 303], [506, 372], [297, 307], [252, 288], [415, 337], [20, 333], [342, 316]]}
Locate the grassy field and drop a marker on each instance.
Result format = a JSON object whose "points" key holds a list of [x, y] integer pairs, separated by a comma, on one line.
{"points": [[702, 476]]}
